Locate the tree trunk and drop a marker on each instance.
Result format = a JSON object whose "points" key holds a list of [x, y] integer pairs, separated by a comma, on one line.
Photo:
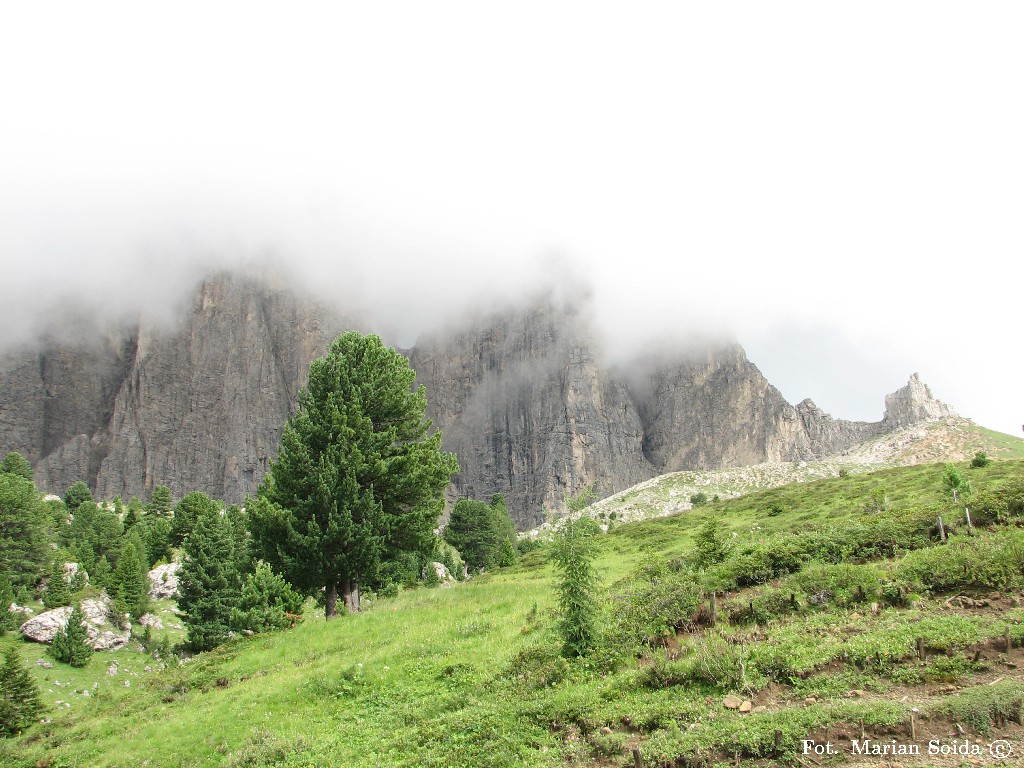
{"points": [[331, 602], [350, 591]]}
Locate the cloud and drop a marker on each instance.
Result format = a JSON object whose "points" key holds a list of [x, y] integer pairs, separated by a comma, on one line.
{"points": [[837, 187]]}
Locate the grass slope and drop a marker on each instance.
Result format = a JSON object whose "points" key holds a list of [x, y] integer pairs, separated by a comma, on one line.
{"points": [[470, 675]]}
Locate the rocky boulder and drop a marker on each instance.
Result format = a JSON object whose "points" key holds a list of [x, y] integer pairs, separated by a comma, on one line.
{"points": [[103, 635], [163, 581]]}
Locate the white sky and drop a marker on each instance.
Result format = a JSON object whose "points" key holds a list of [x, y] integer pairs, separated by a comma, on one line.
{"points": [[839, 185]]}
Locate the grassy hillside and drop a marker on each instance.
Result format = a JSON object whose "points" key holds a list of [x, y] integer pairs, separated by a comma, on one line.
{"points": [[839, 612]]}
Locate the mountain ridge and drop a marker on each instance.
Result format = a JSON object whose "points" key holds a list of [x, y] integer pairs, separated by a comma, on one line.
{"points": [[522, 395]]}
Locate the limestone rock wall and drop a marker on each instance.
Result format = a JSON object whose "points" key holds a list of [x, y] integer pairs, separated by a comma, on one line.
{"points": [[522, 395]]}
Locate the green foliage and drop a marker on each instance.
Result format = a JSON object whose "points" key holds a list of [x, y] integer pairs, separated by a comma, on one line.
{"points": [[189, 509], [20, 703], [24, 552], [264, 749], [94, 532], [16, 464], [483, 534], [841, 584], [210, 582], [954, 482], [78, 493], [992, 561], [129, 582], [538, 666], [582, 500], [471, 530], [57, 593], [656, 600], [265, 602], [8, 620], [980, 460], [699, 499], [982, 706], [572, 552], [710, 543], [1000, 505], [358, 477], [71, 644], [155, 532], [160, 501]]}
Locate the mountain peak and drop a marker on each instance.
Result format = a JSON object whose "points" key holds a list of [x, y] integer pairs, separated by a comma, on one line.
{"points": [[914, 403]]}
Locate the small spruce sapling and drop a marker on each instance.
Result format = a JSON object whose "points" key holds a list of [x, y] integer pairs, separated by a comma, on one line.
{"points": [[573, 553], [71, 644]]}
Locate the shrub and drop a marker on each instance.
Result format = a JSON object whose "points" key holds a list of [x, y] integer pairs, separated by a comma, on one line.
{"points": [[992, 562], [979, 707], [710, 544], [840, 584], [980, 460], [538, 666], [267, 602], [699, 499], [655, 601]]}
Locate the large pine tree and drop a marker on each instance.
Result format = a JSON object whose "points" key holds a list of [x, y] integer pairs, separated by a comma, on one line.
{"points": [[210, 580], [24, 551], [358, 477]]}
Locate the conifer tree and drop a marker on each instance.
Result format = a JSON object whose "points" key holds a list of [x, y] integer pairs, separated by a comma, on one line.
{"points": [[191, 506], [129, 582], [710, 544], [20, 704], [16, 464], [71, 645], [160, 501], [572, 552], [209, 582], [358, 480], [267, 602], [58, 593], [24, 551], [77, 494], [8, 620]]}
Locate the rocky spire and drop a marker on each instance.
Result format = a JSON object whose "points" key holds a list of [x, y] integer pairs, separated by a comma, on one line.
{"points": [[913, 403]]}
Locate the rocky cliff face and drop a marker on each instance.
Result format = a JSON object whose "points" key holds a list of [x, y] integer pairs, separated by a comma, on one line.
{"points": [[197, 407], [524, 404], [521, 395]]}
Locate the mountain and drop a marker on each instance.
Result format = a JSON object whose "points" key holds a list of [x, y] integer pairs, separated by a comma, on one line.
{"points": [[523, 395]]}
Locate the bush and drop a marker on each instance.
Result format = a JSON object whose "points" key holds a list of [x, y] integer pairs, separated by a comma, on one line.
{"points": [[980, 460], [710, 544], [992, 562], [655, 601], [538, 666], [840, 584]]}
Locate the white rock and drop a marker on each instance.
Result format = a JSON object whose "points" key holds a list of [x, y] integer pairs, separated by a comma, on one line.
{"points": [[102, 635], [151, 620], [163, 581], [442, 572]]}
